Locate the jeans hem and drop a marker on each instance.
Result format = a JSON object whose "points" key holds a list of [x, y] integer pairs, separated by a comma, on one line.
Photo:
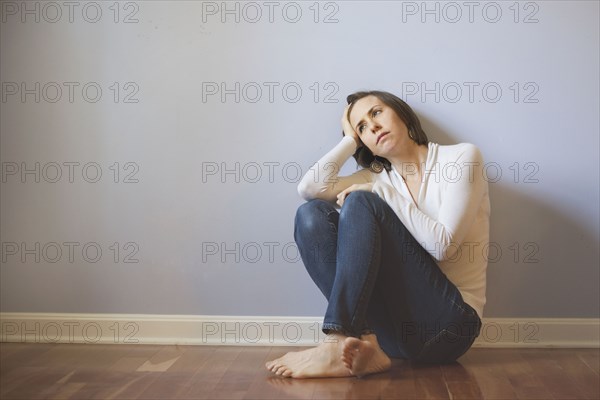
{"points": [[330, 326]]}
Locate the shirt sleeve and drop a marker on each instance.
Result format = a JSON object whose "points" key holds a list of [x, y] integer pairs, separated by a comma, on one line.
{"points": [[461, 199], [322, 181]]}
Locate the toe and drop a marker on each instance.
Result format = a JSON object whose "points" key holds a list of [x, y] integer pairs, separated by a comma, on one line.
{"points": [[280, 370], [346, 358], [287, 373], [274, 367]]}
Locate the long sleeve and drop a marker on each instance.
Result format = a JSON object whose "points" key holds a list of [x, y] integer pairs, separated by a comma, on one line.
{"points": [[322, 180], [461, 196]]}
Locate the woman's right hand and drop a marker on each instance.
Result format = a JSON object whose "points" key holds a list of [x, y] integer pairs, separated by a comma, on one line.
{"points": [[347, 127]]}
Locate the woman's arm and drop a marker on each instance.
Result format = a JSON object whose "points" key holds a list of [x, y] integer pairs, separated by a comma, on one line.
{"points": [[460, 204], [322, 180]]}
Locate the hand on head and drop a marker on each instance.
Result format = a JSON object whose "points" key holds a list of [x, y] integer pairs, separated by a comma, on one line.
{"points": [[348, 129]]}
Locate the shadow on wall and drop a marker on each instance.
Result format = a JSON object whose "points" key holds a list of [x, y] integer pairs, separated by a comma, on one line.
{"points": [[542, 262]]}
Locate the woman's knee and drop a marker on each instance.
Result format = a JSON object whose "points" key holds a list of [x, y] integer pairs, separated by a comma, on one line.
{"points": [[362, 195], [361, 199], [313, 216]]}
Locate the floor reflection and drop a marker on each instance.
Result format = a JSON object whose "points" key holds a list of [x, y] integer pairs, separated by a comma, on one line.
{"points": [[405, 380]]}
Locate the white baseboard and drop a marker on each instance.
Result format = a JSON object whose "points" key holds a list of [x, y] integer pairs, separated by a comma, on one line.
{"points": [[263, 331]]}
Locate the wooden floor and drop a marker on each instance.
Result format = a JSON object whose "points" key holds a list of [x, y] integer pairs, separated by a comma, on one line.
{"points": [[94, 371]]}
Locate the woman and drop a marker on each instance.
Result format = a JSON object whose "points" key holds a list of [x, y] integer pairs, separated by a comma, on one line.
{"points": [[403, 263]]}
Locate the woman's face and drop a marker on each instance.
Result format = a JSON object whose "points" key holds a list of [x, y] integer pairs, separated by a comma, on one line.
{"points": [[378, 126]]}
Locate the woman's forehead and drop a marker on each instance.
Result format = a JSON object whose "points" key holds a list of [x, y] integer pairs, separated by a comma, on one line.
{"points": [[362, 106]]}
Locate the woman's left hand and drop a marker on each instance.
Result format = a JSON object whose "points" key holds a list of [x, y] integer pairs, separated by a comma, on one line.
{"points": [[357, 186]]}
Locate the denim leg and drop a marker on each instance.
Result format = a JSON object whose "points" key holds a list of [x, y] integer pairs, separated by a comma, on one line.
{"points": [[315, 233], [357, 264], [387, 282]]}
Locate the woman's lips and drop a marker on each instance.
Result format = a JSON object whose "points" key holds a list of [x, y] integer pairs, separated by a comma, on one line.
{"points": [[381, 136]]}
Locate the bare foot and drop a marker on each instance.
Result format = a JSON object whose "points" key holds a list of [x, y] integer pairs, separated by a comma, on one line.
{"points": [[364, 356], [323, 361]]}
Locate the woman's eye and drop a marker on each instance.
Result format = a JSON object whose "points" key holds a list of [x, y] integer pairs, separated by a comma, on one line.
{"points": [[376, 112], [360, 128]]}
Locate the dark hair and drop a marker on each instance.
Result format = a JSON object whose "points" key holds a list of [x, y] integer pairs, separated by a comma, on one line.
{"points": [[363, 156]]}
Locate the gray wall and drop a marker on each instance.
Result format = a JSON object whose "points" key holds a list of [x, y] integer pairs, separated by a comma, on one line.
{"points": [[170, 203]]}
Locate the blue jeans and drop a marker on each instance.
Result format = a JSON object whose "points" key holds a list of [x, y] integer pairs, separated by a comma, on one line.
{"points": [[378, 279]]}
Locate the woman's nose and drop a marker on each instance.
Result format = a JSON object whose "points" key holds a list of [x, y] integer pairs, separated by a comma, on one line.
{"points": [[375, 127]]}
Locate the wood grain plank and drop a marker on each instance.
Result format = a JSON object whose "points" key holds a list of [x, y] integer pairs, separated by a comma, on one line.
{"points": [[209, 374], [591, 358], [429, 382], [98, 371], [545, 367], [579, 373], [491, 379], [460, 382], [402, 381]]}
